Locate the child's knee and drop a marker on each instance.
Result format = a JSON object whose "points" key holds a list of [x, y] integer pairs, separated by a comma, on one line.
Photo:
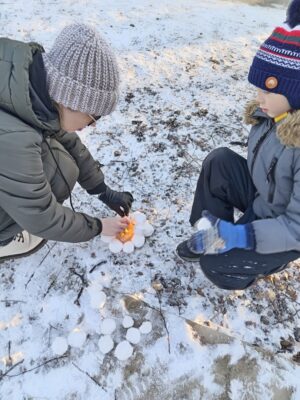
{"points": [[221, 156]]}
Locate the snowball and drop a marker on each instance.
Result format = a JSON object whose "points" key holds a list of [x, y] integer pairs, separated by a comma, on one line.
{"points": [[98, 298], [139, 217], [128, 247], [105, 344], [76, 338], [127, 321], [133, 335], [59, 346], [106, 239], [146, 327], [203, 224], [138, 230], [123, 351], [108, 326], [147, 229], [115, 246], [138, 240]]}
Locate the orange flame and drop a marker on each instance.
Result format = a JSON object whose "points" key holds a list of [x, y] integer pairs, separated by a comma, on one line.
{"points": [[127, 233]]}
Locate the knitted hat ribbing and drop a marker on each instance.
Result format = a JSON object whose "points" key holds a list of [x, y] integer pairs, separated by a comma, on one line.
{"points": [[82, 71]]}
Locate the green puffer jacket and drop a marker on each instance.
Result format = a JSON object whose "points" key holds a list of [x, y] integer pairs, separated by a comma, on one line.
{"points": [[27, 119]]}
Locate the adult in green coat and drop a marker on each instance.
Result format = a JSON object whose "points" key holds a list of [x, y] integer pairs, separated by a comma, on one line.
{"points": [[44, 98]]}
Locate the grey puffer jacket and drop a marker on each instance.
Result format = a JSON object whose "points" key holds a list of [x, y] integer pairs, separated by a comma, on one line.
{"points": [[274, 164], [27, 119]]}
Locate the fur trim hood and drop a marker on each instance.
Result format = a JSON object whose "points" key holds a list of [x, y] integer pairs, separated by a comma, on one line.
{"points": [[288, 130]]}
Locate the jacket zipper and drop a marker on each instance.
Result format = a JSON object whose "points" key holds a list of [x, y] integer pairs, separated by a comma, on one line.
{"points": [[258, 146], [271, 179]]}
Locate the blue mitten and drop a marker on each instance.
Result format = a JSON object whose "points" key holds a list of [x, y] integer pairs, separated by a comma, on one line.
{"points": [[221, 236]]}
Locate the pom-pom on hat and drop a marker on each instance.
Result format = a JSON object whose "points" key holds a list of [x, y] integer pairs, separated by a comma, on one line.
{"points": [[276, 65], [82, 71], [293, 14]]}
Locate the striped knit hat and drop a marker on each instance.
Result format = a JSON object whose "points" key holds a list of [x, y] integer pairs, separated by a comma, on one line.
{"points": [[82, 71], [276, 65]]}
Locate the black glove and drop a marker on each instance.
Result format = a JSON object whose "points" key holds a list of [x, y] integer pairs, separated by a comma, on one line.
{"points": [[120, 202]]}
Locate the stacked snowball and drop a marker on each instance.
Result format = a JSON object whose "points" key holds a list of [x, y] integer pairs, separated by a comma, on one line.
{"points": [[142, 230], [123, 350]]}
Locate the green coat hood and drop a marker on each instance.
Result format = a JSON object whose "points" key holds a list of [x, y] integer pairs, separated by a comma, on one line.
{"points": [[15, 60]]}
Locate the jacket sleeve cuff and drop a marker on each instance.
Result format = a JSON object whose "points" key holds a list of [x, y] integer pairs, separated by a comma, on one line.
{"points": [[98, 189], [99, 224]]}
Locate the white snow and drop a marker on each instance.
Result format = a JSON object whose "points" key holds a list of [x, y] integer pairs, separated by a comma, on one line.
{"points": [[123, 350], [97, 297], [146, 327], [59, 345], [133, 335], [108, 326], [184, 67], [203, 224], [77, 338], [127, 321], [105, 344]]}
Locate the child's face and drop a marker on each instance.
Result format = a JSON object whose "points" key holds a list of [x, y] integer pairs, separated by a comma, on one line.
{"points": [[272, 104]]}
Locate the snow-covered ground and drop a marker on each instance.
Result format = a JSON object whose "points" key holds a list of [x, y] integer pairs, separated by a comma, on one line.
{"points": [[184, 86]]}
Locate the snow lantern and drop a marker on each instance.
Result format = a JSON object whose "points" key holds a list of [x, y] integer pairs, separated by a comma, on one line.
{"points": [[131, 237]]}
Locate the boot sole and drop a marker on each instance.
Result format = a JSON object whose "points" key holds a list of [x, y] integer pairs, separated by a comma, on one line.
{"points": [[29, 253], [186, 258]]}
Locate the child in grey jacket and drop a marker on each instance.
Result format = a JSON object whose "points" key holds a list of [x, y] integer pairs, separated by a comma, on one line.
{"points": [[266, 186]]}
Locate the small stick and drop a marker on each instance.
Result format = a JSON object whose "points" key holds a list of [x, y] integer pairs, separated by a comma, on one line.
{"points": [[91, 377], [9, 355], [38, 366], [10, 369], [97, 265], [43, 259], [76, 301], [13, 301]]}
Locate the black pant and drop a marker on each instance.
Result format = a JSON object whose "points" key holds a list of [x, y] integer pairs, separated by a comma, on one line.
{"points": [[224, 184]]}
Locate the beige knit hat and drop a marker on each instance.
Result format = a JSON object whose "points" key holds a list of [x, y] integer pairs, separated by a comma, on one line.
{"points": [[82, 71]]}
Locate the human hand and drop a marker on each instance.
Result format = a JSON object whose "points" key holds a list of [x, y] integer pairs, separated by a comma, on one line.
{"points": [[221, 236], [120, 202], [113, 226]]}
